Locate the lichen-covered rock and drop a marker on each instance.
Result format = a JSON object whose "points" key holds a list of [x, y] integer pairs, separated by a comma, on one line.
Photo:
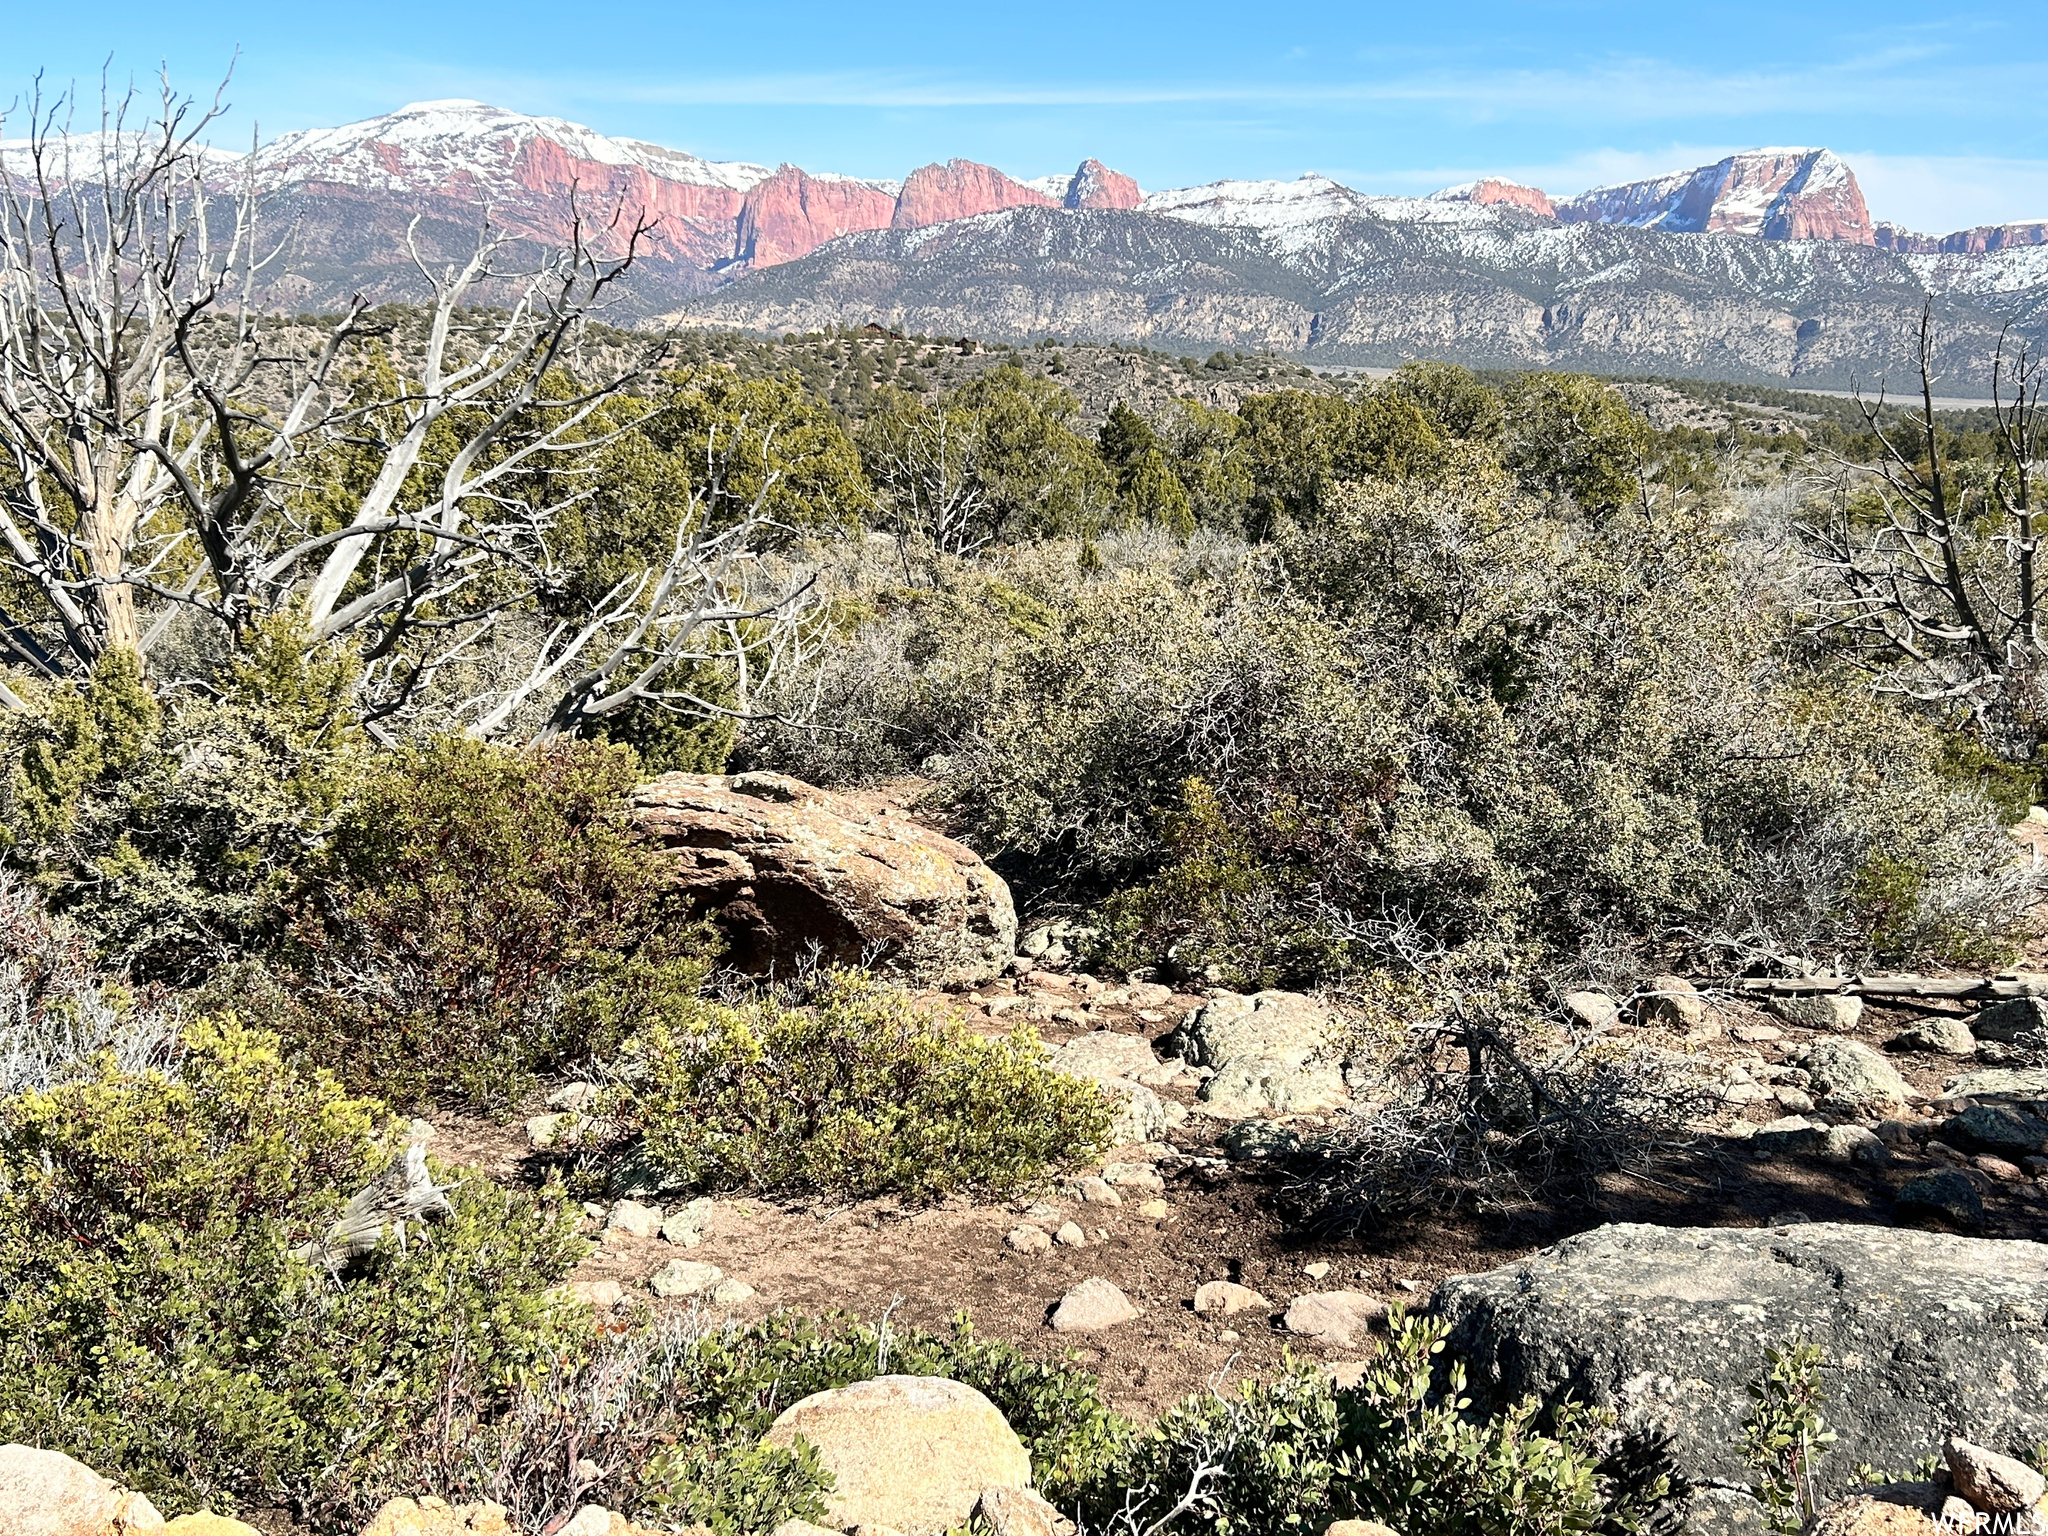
{"points": [[1591, 1010], [1939, 1035], [1943, 1195], [1021, 1512], [783, 866], [2007, 1021], [1849, 1078], [1925, 1333], [1223, 1298], [2014, 1084], [2001, 1128], [1833, 1012], [1271, 1053], [911, 1452]]}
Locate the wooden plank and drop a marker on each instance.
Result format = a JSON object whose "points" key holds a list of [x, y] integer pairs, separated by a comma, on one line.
{"points": [[2006, 984]]}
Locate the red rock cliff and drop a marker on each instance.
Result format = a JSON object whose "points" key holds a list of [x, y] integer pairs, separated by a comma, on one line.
{"points": [[792, 213], [960, 189], [1095, 185], [1513, 193]]}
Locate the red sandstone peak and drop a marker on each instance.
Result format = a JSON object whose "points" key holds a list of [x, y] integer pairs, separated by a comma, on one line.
{"points": [[1774, 194], [1095, 185], [1495, 190], [792, 213], [960, 189]]}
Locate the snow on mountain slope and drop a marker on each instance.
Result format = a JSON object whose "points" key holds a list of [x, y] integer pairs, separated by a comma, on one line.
{"points": [[435, 146], [1772, 194]]}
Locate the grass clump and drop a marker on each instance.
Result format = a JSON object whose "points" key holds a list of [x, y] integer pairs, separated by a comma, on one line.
{"points": [[860, 1092]]}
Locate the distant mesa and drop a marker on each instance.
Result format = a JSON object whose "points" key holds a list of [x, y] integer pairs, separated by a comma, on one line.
{"points": [[1495, 192]]}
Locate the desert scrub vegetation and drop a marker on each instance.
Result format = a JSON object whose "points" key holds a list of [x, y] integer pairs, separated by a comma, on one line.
{"points": [[479, 916], [162, 1310], [1458, 704], [857, 1092], [1294, 1453]]}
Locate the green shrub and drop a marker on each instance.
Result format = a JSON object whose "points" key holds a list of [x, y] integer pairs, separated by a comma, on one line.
{"points": [[858, 1093], [1784, 1435], [674, 1412], [1403, 1448], [157, 1322], [172, 836], [482, 915]]}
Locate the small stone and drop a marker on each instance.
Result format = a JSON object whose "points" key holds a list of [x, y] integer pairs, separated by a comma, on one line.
{"points": [[1944, 1193], [1092, 1305], [684, 1226], [1249, 1140], [1756, 1034], [1830, 1012], [1225, 1298], [1027, 1240], [1021, 1512], [1093, 1191], [1672, 1002], [1334, 1317], [1138, 1176], [573, 1096], [1591, 1010], [1853, 1144], [1317, 1270], [542, 1130], [1155, 1210], [1958, 1514], [1070, 1235], [1227, 1336], [1939, 1036], [1357, 1528], [731, 1293], [1996, 1484], [598, 1295], [1895, 1133], [419, 1133], [1850, 1078], [1794, 1101], [1998, 1168], [204, 1524], [684, 1277], [634, 1219]]}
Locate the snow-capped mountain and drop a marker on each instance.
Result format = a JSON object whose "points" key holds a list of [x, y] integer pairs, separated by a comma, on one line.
{"points": [[1765, 263], [1774, 194]]}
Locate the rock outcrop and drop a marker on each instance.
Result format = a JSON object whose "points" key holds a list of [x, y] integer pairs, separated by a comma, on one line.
{"points": [[913, 1453], [781, 865], [1493, 191], [792, 213], [960, 189], [1926, 1334]]}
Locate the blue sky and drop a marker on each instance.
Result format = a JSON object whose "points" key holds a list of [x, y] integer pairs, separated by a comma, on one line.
{"points": [[1938, 108]]}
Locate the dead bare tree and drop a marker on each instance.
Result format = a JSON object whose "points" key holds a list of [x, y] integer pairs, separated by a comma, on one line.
{"points": [[167, 447], [1931, 576]]}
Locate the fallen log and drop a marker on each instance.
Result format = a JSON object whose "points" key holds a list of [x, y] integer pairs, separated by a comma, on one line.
{"points": [[404, 1193], [2005, 984]]}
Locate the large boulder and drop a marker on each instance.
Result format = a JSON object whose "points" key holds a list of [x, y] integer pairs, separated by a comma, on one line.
{"points": [[1271, 1053], [46, 1493], [1925, 1334], [783, 866], [2005, 1022], [913, 1453]]}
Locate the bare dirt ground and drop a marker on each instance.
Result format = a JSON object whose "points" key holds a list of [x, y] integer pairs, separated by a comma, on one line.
{"points": [[1225, 1223]]}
